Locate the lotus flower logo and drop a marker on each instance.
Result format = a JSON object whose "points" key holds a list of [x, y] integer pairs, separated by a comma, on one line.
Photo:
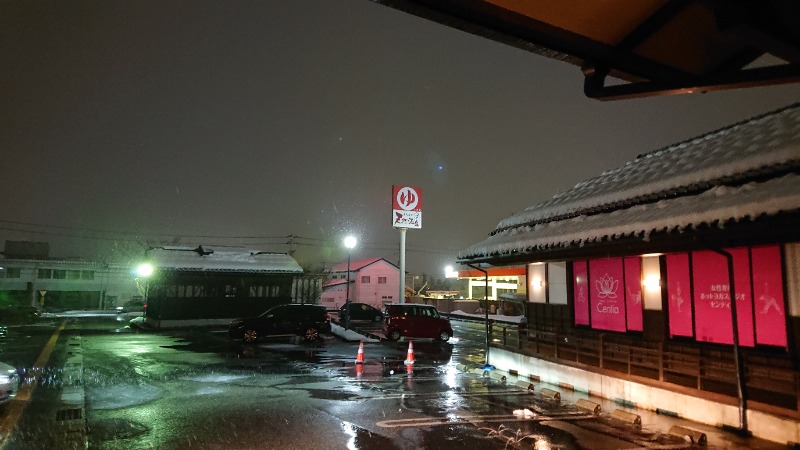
{"points": [[606, 287]]}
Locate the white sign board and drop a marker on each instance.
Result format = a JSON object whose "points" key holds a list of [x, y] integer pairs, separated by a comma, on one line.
{"points": [[406, 207]]}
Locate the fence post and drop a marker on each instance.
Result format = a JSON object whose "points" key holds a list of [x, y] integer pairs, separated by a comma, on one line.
{"points": [[555, 342], [700, 370], [602, 349], [630, 357], [796, 390]]}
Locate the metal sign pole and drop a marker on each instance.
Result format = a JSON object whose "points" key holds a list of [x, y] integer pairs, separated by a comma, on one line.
{"points": [[402, 265]]}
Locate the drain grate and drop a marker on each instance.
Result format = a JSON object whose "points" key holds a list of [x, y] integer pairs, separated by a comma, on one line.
{"points": [[69, 414]]}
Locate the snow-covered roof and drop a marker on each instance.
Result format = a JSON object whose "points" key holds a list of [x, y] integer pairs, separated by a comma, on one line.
{"points": [[741, 172], [221, 259], [355, 266]]}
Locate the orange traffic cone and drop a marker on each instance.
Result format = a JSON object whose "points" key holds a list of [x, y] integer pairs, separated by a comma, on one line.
{"points": [[360, 356], [359, 371], [410, 357]]}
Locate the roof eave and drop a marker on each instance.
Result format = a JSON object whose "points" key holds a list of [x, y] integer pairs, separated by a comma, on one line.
{"points": [[778, 228]]}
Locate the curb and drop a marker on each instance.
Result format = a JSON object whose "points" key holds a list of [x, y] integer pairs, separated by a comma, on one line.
{"points": [[70, 426]]}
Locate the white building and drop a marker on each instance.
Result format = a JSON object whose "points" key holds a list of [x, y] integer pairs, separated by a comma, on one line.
{"points": [[61, 284]]}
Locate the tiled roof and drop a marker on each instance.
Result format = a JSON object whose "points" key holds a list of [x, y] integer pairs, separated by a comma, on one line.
{"points": [[740, 172], [732, 155]]}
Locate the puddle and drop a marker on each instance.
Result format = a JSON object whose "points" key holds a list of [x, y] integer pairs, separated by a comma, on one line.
{"points": [[113, 429]]}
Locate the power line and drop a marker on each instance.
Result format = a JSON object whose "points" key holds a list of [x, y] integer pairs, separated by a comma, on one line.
{"points": [[290, 240], [96, 230]]}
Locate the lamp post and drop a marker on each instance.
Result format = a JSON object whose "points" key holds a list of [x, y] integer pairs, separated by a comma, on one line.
{"points": [[350, 243], [145, 270], [486, 366]]}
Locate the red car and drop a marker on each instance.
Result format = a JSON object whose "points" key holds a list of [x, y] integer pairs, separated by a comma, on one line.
{"points": [[415, 321]]}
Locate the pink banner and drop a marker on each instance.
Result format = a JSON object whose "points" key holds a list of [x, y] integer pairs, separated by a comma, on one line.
{"points": [[679, 295], [633, 293], [770, 315], [581, 293], [712, 299], [607, 294]]}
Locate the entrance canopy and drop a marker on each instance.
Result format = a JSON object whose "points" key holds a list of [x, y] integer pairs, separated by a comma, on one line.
{"points": [[648, 47]]}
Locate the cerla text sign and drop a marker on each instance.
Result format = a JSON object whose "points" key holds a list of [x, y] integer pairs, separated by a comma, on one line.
{"points": [[406, 207]]}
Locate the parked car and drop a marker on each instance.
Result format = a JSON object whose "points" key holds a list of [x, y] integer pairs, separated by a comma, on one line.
{"points": [[360, 311], [307, 321], [415, 321], [9, 382], [131, 306]]}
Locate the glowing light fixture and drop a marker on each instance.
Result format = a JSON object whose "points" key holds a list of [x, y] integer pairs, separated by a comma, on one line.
{"points": [[144, 270], [652, 282]]}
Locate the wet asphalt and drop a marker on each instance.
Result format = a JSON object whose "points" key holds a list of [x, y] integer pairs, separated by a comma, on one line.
{"points": [[197, 389]]}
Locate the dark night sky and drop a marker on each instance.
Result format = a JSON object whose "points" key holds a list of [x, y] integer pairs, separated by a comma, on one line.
{"points": [[136, 121]]}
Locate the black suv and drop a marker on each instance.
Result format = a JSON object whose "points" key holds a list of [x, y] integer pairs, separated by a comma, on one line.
{"points": [[307, 321], [360, 311]]}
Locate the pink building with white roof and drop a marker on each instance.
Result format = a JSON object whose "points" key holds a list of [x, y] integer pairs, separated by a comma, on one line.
{"points": [[374, 281]]}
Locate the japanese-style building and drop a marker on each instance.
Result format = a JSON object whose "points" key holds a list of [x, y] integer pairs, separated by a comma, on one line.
{"points": [[212, 285], [633, 302]]}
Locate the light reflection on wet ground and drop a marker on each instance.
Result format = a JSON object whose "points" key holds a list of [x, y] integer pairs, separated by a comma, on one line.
{"points": [[197, 389]]}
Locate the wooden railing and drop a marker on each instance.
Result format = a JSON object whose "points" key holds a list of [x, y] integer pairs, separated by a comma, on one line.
{"points": [[770, 379]]}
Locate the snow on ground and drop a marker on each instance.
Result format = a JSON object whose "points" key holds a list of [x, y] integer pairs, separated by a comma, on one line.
{"points": [[482, 316], [122, 395], [350, 335]]}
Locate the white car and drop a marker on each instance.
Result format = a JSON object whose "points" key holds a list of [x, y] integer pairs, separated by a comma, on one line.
{"points": [[9, 382]]}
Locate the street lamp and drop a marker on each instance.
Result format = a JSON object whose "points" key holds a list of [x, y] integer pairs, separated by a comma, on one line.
{"points": [[349, 242], [145, 270]]}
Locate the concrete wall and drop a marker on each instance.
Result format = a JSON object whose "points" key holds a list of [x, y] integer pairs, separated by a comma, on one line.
{"points": [[762, 425]]}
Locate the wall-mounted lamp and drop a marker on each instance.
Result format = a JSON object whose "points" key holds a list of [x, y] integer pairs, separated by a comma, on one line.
{"points": [[652, 282], [537, 283]]}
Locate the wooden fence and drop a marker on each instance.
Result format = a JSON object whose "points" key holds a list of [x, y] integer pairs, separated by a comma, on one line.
{"points": [[771, 379]]}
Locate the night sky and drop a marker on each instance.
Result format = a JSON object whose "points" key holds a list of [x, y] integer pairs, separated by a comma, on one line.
{"points": [[129, 123]]}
